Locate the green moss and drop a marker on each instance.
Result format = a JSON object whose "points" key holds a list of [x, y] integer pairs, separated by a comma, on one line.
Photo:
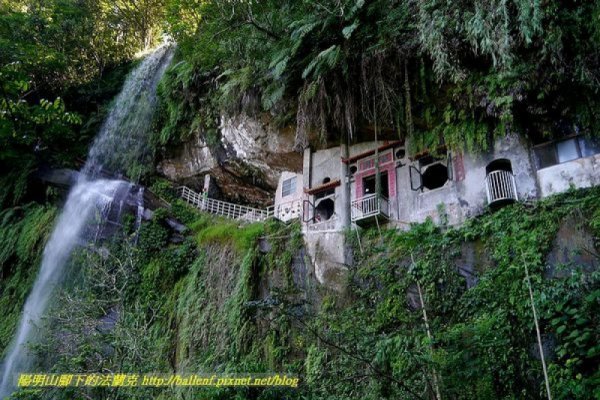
{"points": [[211, 230], [214, 303], [485, 334], [23, 234]]}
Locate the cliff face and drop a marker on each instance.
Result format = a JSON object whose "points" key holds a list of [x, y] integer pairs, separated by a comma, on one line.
{"points": [[246, 159], [227, 297]]}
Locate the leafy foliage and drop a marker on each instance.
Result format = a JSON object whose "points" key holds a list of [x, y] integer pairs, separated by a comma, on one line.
{"points": [[61, 62], [430, 70], [23, 234], [407, 323]]}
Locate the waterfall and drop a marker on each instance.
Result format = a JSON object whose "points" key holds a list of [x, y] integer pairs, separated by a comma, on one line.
{"points": [[120, 146]]}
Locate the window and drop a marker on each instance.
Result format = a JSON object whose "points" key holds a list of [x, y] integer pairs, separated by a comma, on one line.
{"points": [[427, 160], [288, 187], [589, 146], [324, 210], [501, 188], [431, 172], [562, 151], [546, 156], [435, 176], [370, 188], [501, 164], [567, 150]]}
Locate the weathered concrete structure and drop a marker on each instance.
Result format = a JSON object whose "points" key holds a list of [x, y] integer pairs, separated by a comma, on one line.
{"points": [[380, 183], [579, 173], [289, 196], [342, 188]]}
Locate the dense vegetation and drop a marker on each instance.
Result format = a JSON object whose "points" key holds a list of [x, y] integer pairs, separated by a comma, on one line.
{"points": [[210, 300], [456, 73], [23, 234], [61, 62], [459, 72], [214, 302]]}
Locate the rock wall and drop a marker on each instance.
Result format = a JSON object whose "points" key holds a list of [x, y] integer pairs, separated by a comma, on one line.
{"points": [[246, 159]]}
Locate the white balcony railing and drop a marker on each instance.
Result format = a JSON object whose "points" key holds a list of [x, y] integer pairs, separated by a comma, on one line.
{"points": [[500, 185], [369, 206]]}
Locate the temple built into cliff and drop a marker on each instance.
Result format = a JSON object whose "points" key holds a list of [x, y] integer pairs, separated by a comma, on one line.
{"points": [[380, 182]]}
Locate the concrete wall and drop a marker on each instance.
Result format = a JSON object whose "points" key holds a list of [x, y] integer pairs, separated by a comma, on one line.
{"points": [[329, 257], [359, 148], [290, 206], [325, 242], [580, 173], [462, 197], [318, 166], [471, 191], [325, 164], [465, 196], [458, 199]]}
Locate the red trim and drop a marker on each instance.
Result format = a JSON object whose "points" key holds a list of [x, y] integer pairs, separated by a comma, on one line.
{"points": [[459, 166], [320, 188], [371, 152], [359, 180]]}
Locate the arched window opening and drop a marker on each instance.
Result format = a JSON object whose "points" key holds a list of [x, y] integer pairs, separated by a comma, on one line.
{"points": [[500, 184], [501, 164]]}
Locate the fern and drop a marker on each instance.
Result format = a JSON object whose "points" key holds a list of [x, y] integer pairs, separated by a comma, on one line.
{"points": [[323, 62], [347, 31], [484, 59], [272, 95]]}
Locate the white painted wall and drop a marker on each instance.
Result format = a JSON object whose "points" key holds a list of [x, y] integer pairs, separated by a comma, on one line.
{"points": [[290, 206], [458, 200], [319, 165], [467, 198], [580, 173]]}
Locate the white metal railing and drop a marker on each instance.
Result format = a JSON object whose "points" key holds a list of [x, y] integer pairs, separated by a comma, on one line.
{"points": [[500, 185], [369, 206], [223, 208]]}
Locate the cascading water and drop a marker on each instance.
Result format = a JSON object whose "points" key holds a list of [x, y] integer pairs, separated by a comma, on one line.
{"points": [[120, 146]]}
